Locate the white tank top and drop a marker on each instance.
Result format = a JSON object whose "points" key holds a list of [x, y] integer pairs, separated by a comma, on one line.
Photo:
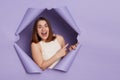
{"points": [[49, 49]]}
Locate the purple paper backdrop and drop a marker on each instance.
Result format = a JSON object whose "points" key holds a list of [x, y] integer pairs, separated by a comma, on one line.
{"points": [[99, 56]]}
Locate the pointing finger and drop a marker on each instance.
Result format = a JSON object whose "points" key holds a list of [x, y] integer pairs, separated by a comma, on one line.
{"points": [[65, 45]]}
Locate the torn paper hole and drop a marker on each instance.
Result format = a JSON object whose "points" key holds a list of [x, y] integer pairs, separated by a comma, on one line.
{"points": [[61, 22]]}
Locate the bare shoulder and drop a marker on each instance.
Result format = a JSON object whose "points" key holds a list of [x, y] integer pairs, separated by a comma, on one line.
{"points": [[60, 39], [35, 45]]}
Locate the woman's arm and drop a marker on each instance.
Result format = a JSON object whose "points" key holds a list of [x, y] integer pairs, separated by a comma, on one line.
{"points": [[37, 55]]}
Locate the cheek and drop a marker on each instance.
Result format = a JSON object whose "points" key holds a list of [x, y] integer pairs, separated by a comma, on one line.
{"points": [[39, 31], [47, 29]]}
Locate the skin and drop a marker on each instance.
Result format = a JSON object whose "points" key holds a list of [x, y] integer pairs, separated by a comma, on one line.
{"points": [[43, 32], [43, 29]]}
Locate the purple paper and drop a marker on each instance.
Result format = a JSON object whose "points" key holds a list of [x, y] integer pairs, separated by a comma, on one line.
{"points": [[65, 14], [28, 63], [62, 23], [30, 15], [66, 62]]}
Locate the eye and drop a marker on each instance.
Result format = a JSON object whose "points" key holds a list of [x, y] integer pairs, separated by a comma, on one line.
{"points": [[46, 25], [39, 26]]}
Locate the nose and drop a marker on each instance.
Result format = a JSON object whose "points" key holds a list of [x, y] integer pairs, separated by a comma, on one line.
{"points": [[43, 28]]}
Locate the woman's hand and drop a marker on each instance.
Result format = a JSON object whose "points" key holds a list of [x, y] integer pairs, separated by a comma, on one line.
{"points": [[62, 52], [73, 47]]}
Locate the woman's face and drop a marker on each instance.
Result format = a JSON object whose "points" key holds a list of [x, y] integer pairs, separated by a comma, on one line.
{"points": [[43, 29]]}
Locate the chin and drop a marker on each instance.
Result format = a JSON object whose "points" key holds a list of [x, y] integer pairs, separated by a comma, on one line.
{"points": [[44, 38]]}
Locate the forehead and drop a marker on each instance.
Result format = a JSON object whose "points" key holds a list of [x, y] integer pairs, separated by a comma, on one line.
{"points": [[42, 22]]}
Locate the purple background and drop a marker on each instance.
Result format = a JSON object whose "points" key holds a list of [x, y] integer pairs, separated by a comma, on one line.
{"points": [[99, 56]]}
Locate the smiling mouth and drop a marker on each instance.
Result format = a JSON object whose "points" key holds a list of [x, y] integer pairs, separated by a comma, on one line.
{"points": [[44, 33]]}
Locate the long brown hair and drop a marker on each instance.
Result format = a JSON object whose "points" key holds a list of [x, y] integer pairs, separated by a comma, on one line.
{"points": [[35, 37]]}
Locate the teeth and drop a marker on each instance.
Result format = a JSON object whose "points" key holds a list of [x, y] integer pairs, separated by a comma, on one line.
{"points": [[44, 32]]}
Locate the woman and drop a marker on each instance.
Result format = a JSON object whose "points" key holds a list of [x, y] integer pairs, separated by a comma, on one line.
{"points": [[47, 48]]}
